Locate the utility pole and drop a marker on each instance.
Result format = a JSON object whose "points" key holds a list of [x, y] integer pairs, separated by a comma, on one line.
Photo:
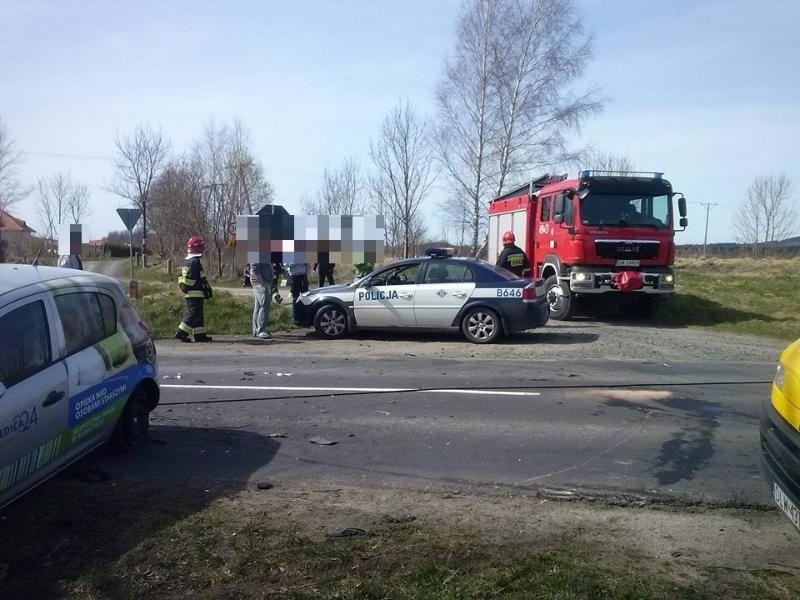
{"points": [[708, 206]]}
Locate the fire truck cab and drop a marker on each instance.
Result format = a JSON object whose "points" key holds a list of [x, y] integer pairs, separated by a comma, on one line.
{"points": [[603, 232]]}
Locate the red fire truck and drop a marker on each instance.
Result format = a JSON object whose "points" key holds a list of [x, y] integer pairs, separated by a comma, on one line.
{"points": [[603, 232]]}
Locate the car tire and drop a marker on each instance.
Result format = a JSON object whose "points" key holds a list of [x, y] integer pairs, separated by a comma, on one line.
{"points": [[134, 423], [481, 325], [562, 302], [331, 322]]}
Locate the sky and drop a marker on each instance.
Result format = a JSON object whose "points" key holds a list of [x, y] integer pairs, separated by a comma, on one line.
{"points": [[706, 91]]}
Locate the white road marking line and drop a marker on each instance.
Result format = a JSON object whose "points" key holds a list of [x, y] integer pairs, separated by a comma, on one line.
{"points": [[259, 388]]}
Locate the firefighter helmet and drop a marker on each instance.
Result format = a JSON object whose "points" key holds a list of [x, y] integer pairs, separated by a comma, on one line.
{"points": [[196, 245], [509, 238]]}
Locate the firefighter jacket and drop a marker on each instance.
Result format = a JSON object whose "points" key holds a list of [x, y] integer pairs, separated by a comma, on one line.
{"points": [[513, 259], [193, 282]]}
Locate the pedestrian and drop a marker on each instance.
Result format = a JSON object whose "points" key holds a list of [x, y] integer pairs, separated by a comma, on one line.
{"points": [[512, 258], [196, 290], [261, 279], [298, 280], [325, 269]]}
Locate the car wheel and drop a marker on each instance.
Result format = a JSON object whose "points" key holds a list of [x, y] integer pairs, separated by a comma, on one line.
{"points": [[481, 325], [133, 424], [331, 322], [561, 302]]}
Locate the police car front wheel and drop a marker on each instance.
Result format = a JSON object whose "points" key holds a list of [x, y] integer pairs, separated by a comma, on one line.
{"points": [[331, 322], [481, 325]]}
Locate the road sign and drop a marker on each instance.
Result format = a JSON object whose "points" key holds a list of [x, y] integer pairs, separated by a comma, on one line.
{"points": [[129, 216]]}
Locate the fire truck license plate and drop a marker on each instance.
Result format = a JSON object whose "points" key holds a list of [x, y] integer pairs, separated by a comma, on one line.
{"points": [[628, 262], [785, 504]]}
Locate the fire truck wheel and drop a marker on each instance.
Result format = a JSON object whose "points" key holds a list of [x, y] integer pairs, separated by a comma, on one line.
{"points": [[331, 322], [562, 304], [481, 325]]}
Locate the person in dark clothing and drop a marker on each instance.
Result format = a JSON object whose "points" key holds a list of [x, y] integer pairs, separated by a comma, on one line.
{"points": [[196, 290], [512, 258], [325, 270], [298, 277]]}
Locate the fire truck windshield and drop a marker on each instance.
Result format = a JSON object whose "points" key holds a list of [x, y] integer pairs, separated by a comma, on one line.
{"points": [[625, 210]]}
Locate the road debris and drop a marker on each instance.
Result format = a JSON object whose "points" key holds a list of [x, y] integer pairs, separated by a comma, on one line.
{"points": [[277, 435], [346, 532], [321, 441], [178, 376]]}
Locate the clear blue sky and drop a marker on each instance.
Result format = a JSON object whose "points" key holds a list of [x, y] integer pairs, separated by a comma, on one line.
{"points": [[707, 90]]}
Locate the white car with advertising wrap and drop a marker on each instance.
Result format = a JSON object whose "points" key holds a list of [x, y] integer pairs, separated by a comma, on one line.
{"points": [[437, 291], [77, 368]]}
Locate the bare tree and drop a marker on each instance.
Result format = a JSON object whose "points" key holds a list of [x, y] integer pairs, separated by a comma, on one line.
{"points": [[341, 192], [10, 189], [506, 99], [768, 214], [139, 158], [401, 155], [606, 161], [59, 200]]}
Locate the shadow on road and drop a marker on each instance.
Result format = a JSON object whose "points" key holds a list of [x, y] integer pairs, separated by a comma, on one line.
{"points": [[106, 504]]}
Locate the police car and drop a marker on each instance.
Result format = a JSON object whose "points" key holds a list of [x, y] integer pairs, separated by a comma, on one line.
{"points": [[437, 291], [77, 368]]}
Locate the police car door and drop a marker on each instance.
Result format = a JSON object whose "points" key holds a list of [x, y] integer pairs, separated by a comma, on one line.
{"points": [[387, 298], [33, 396], [445, 288]]}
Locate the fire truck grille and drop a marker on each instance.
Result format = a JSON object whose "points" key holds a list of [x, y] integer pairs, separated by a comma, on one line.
{"points": [[626, 250]]}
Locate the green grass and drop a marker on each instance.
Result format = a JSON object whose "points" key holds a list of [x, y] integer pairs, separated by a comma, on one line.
{"points": [[161, 305], [737, 295]]}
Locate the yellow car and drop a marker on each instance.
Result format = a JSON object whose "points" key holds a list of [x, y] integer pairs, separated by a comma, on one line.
{"points": [[780, 434]]}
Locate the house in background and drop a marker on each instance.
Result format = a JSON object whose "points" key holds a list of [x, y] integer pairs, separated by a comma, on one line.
{"points": [[16, 238]]}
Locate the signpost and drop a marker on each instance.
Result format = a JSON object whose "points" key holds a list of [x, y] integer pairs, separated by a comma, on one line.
{"points": [[130, 216]]}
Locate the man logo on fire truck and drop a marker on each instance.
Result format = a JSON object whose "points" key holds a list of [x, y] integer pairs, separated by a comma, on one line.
{"points": [[604, 232]]}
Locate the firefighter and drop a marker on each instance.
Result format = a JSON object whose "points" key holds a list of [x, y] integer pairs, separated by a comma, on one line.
{"points": [[512, 258], [194, 285]]}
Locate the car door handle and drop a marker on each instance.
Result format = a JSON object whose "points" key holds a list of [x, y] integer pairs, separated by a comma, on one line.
{"points": [[459, 294], [405, 295], [52, 398]]}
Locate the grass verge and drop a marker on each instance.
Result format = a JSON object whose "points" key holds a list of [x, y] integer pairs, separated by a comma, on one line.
{"points": [[131, 541]]}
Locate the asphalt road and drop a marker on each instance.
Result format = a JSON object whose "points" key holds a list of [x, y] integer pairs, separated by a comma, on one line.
{"points": [[687, 432]]}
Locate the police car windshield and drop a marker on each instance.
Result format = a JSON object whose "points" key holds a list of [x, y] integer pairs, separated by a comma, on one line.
{"points": [[626, 210]]}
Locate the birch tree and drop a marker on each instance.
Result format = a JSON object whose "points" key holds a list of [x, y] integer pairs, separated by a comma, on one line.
{"points": [[768, 214], [507, 100], [341, 192], [401, 155], [59, 200]]}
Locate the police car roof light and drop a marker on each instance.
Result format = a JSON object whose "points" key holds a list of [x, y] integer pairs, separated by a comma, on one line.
{"points": [[439, 252]]}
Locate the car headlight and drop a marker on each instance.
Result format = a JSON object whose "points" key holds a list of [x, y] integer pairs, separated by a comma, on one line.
{"points": [[780, 376], [581, 276], [669, 278]]}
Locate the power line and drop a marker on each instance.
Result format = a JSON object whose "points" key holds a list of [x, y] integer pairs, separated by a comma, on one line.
{"points": [[65, 155], [708, 206]]}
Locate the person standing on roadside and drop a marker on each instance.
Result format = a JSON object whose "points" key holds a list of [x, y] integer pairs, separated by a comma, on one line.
{"points": [[325, 269], [196, 290], [298, 280], [513, 258], [261, 279]]}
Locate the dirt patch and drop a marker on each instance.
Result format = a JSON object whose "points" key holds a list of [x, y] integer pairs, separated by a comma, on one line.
{"points": [[556, 341]]}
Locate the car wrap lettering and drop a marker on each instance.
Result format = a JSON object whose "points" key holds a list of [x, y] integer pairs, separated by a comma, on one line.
{"points": [[377, 295], [106, 407], [20, 423]]}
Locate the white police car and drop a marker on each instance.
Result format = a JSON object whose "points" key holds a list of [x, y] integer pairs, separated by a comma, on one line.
{"points": [[437, 292], [77, 367]]}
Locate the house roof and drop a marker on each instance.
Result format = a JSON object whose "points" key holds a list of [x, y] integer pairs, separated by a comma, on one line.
{"points": [[8, 222]]}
